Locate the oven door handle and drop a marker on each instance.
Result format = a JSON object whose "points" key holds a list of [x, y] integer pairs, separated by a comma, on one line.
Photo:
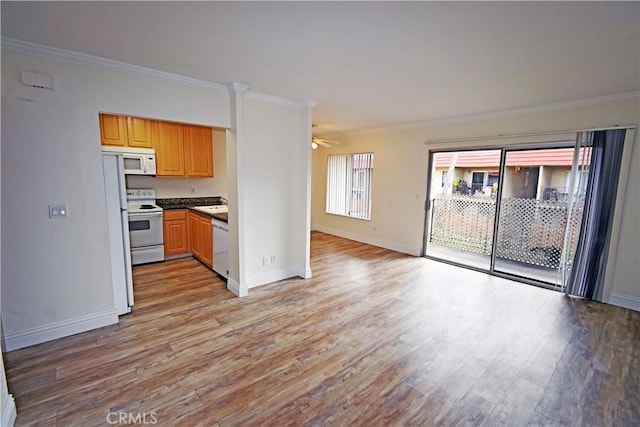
{"points": [[139, 215]]}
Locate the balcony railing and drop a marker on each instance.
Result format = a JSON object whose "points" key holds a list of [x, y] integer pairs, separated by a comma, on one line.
{"points": [[530, 230]]}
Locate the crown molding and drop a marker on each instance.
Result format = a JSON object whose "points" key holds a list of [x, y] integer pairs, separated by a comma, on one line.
{"points": [[235, 87], [68, 56], [554, 106], [584, 102], [275, 100]]}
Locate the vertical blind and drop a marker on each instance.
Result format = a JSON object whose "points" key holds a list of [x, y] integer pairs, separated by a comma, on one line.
{"points": [[349, 184], [587, 273]]}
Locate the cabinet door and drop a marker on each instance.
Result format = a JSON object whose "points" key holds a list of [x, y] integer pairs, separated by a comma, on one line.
{"points": [[206, 241], [176, 237], [198, 144], [139, 132], [169, 144], [113, 129], [194, 231]]}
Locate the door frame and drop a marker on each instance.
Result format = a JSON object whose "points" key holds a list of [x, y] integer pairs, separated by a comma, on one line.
{"points": [[527, 146]]}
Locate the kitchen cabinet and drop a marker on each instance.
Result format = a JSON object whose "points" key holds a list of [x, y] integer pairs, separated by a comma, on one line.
{"points": [[125, 131], [183, 150], [198, 144], [139, 132], [169, 145], [201, 235], [113, 129], [176, 232]]}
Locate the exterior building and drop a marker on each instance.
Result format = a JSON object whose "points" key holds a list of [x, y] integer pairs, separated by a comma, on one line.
{"points": [[532, 174]]}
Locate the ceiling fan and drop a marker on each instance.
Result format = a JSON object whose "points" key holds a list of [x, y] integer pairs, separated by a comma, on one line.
{"points": [[315, 142]]}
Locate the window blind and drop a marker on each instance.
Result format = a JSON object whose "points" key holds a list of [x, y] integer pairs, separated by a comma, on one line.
{"points": [[349, 178]]}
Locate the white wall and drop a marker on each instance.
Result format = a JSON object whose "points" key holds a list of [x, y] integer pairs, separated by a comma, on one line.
{"points": [[7, 403], [181, 187], [56, 273], [275, 142], [400, 174], [626, 272]]}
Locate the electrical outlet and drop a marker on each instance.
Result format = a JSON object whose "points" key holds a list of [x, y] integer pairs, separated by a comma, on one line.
{"points": [[265, 260], [273, 259]]}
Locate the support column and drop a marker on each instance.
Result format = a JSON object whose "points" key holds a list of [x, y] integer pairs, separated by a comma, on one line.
{"points": [[305, 178], [236, 282]]}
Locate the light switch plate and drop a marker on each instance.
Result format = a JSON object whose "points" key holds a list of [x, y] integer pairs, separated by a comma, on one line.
{"points": [[59, 211]]}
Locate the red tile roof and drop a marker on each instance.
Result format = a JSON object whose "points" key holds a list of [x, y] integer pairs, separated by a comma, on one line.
{"points": [[491, 158]]}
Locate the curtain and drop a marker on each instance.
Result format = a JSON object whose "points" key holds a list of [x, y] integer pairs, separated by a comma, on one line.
{"points": [[586, 278]]}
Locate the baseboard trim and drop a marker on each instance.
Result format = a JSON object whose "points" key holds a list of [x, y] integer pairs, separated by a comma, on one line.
{"points": [[623, 300], [9, 412], [368, 240], [64, 328], [177, 256], [305, 273], [236, 289], [267, 277]]}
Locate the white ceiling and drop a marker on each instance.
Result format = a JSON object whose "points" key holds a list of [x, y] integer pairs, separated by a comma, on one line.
{"points": [[366, 64]]}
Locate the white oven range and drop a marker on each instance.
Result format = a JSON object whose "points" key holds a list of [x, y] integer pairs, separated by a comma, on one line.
{"points": [[145, 226]]}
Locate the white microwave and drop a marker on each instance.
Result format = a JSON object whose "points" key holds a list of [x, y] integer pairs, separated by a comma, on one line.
{"points": [[137, 161]]}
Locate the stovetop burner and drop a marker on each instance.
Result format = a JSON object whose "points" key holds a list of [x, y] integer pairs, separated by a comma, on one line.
{"points": [[146, 206]]}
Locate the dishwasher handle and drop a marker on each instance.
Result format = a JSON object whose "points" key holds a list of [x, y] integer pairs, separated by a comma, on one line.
{"points": [[221, 227]]}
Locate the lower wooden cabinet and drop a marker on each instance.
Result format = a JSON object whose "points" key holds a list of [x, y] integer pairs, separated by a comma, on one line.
{"points": [[176, 232], [201, 236], [188, 232]]}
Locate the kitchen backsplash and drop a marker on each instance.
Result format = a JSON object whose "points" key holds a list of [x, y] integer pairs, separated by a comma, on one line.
{"points": [[180, 187]]}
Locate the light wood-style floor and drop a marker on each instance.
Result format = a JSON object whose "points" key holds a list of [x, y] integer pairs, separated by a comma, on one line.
{"points": [[374, 338]]}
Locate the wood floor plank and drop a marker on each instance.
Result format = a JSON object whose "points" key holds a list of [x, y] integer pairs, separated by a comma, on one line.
{"points": [[471, 410], [517, 405], [375, 337]]}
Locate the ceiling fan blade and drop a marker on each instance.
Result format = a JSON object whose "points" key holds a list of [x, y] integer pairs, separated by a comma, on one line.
{"points": [[319, 141], [326, 141]]}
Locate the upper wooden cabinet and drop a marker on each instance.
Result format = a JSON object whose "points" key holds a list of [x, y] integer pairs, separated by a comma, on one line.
{"points": [[139, 132], [198, 149], [183, 150], [113, 129], [169, 145], [125, 131]]}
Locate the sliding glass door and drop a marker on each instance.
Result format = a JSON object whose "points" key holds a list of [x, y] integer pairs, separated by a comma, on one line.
{"points": [[540, 212], [513, 212], [463, 206]]}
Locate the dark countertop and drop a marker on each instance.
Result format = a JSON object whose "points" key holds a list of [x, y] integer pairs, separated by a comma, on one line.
{"points": [[190, 202]]}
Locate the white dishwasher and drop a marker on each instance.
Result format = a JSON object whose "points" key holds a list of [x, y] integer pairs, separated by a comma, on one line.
{"points": [[220, 247]]}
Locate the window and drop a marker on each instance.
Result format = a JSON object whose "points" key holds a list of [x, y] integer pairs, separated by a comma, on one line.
{"points": [[480, 180], [349, 185]]}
